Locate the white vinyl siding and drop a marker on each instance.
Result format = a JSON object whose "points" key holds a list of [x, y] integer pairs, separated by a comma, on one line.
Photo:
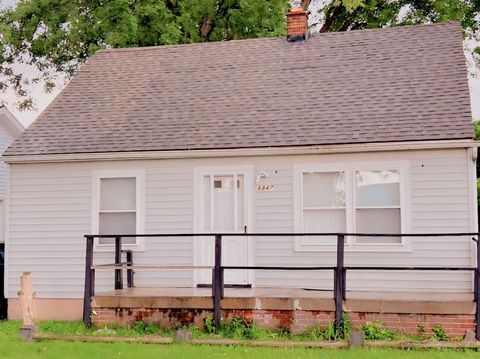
{"points": [[438, 202], [51, 210], [6, 138]]}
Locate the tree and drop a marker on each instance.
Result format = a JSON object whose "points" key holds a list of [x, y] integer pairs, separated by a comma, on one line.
{"points": [[342, 15], [58, 36]]}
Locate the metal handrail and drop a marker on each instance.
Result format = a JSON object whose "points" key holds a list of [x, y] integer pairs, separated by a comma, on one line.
{"points": [[218, 269], [283, 234]]}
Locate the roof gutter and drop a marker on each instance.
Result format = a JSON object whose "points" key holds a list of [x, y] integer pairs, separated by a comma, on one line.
{"points": [[244, 152]]}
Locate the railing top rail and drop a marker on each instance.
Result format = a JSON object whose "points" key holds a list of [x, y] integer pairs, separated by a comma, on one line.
{"points": [[281, 234]]}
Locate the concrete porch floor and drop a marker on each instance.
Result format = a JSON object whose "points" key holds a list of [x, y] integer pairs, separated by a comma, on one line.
{"points": [[289, 299]]}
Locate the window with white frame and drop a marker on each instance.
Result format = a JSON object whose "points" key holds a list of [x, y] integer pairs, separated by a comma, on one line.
{"points": [[349, 198], [323, 205], [377, 205], [117, 207]]}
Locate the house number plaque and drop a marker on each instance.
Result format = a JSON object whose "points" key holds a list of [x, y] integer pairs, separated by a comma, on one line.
{"points": [[264, 187]]}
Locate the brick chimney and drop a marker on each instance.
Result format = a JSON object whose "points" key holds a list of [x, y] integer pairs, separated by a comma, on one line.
{"points": [[297, 22]]}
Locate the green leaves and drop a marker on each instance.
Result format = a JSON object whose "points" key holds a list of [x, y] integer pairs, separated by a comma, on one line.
{"points": [[57, 36], [341, 15], [351, 5]]}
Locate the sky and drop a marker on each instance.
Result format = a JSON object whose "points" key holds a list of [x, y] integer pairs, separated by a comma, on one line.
{"points": [[42, 99]]}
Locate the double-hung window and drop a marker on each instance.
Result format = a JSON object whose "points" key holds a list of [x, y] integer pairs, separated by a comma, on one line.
{"points": [[323, 205], [377, 205], [350, 198], [118, 206]]}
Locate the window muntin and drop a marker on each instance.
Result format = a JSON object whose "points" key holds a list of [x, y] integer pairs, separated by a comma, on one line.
{"points": [[117, 208], [323, 206], [377, 205]]}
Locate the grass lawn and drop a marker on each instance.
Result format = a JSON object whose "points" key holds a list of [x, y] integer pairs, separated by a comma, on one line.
{"points": [[12, 347]]}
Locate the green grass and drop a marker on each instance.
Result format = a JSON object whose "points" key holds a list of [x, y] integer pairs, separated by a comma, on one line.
{"points": [[78, 328], [238, 328], [12, 347]]}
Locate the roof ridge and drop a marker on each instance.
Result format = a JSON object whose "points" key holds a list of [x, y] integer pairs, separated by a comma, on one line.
{"points": [[274, 38]]}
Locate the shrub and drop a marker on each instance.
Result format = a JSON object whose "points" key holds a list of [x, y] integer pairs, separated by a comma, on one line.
{"points": [[345, 326], [376, 331], [439, 333], [141, 327], [209, 325]]}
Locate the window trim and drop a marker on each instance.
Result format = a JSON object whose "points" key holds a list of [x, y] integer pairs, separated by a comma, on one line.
{"points": [[349, 169], [198, 218], [139, 176]]}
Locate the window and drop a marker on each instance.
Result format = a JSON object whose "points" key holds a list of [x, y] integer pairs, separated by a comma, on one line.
{"points": [[350, 198], [323, 205], [377, 205], [224, 203], [117, 206]]}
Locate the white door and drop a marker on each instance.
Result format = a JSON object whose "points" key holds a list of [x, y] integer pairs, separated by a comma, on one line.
{"points": [[223, 208]]}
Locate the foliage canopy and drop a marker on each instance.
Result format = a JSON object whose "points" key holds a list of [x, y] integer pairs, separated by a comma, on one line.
{"points": [[52, 37]]}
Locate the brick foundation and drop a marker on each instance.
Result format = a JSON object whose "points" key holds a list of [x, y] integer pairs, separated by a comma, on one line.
{"points": [[296, 320]]}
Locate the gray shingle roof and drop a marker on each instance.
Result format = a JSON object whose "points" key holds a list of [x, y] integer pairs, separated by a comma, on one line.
{"points": [[395, 84]]}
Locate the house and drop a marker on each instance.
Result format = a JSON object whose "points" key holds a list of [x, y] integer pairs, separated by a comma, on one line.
{"points": [[10, 129], [357, 132]]}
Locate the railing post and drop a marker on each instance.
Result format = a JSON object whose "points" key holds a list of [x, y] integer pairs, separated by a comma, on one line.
{"points": [[88, 289], [477, 291], [339, 292], [118, 261], [130, 283], [217, 284], [92, 293]]}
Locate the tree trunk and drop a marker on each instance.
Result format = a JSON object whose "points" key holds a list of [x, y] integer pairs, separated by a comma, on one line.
{"points": [[306, 4]]}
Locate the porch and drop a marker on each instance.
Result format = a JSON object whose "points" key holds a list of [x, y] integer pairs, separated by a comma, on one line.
{"points": [[287, 299], [297, 308], [293, 308]]}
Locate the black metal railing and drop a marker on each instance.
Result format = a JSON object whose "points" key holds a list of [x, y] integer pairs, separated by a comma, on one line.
{"points": [[339, 270]]}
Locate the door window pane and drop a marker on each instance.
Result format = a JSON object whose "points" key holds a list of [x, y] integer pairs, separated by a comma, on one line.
{"points": [[377, 188], [240, 203], [117, 194], [324, 189], [206, 203], [223, 204]]}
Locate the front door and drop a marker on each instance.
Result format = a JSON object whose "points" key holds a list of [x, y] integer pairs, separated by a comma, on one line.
{"points": [[223, 208]]}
